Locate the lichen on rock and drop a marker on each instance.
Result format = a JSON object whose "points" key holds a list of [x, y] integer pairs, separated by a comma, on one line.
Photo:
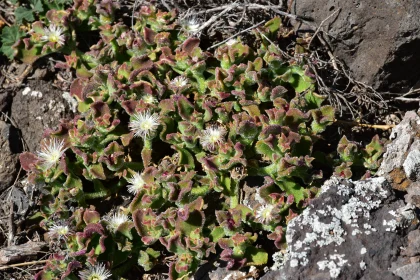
{"points": [[347, 217]]}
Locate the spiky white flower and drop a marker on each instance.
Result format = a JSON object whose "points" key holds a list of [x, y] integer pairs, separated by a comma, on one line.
{"points": [[191, 25], [59, 231], [136, 183], [264, 213], [51, 152], [97, 272], [179, 82], [149, 99], [212, 136], [115, 220], [53, 34], [144, 124]]}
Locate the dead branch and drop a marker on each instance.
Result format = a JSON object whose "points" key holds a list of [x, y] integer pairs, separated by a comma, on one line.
{"points": [[19, 253], [22, 264], [215, 17]]}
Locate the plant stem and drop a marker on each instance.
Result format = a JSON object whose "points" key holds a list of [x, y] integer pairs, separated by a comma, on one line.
{"points": [[146, 152], [234, 194]]}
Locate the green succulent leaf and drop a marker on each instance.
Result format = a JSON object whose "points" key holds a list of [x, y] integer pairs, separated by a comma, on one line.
{"points": [[314, 100], [292, 188], [273, 25], [322, 118], [217, 233], [256, 256], [147, 258], [297, 78]]}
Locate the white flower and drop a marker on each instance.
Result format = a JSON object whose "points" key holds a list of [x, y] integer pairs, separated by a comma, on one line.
{"points": [[115, 220], [97, 272], [60, 231], [264, 214], [136, 183], [179, 82], [54, 34], [51, 153], [191, 25], [144, 124], [212, 136], [149, 99]]}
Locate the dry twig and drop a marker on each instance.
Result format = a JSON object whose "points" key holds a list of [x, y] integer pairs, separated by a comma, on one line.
{"points": [[215, 17], [11, 234], [375, 126], [5, 21], [22, 264], [320, 25]]}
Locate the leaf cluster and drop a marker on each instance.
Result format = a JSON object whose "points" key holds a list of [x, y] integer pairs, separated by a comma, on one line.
{"points": [[210, 124]]}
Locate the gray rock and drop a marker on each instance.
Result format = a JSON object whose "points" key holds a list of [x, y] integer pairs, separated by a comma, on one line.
{"points": [[225, 274], [412, 165], [404, 139], [353, 230], [413, 246], [413, 195], [377, 39], [409, 272], [275, 275]]}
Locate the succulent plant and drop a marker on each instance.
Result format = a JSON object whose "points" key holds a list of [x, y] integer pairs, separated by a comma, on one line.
{"points": [[55, 29], [180, 130], [354, 158]]}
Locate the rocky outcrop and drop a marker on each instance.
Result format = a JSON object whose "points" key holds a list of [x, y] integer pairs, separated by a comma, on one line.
{"points": [[404, 139], [377, 39], [401, 161], [353, 230]]}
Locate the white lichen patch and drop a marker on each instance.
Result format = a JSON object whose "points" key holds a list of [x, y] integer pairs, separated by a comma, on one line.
{"points": [[297, 258], [399, 218], [390, 225], [71, 101], [30, 92], [331, 224], [238, 275], [279, 259], [333, 264]]}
